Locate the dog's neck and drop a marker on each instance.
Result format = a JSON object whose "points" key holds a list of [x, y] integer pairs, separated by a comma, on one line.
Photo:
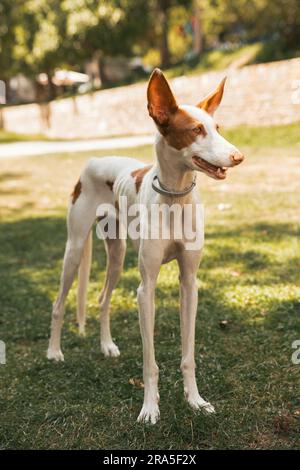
{"points": [[170, 170]]}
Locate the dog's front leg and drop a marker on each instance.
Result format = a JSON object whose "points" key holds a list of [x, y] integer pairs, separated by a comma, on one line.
{"points": [[150, 259], [188, 264]]}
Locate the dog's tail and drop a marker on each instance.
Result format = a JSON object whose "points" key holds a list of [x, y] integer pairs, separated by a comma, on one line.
{"points": [[83, 280]]}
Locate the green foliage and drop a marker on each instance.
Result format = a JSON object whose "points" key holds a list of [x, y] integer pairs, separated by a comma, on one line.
{"points": [[180, 44], [45, 34], [10, 19], [9, 137], [251, 19], [41, 35], [216, 60], [286, 135], [111, 26], [276, 50]]}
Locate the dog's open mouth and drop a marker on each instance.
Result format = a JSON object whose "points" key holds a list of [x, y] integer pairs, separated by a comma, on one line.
{"points": [[216, 172]]}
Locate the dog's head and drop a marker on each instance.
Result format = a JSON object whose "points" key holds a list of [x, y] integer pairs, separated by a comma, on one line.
{"points": [[191, 129]]}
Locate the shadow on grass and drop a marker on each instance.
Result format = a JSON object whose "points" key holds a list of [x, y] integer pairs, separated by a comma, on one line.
{"points": [[261, 231], [92, 402], [11, 176], [8, 177]]}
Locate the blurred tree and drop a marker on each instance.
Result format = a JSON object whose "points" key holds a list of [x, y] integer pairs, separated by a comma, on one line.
{"points": [[197, 24], [163, 8], [247, 20], [180, 35], [109, 27], [10, 19], [41, 35], [160, 11], [41, 42]]}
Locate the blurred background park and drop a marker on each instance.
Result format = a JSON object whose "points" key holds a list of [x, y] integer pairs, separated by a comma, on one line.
{"points": [[73, 78], [52, 49]]}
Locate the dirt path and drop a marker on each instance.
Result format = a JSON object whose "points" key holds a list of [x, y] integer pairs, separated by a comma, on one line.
{"points": [[25, 149]]}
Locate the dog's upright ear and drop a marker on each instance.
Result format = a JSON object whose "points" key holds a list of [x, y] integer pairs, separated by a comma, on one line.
{"points": [[211, 102], [161, 101]]}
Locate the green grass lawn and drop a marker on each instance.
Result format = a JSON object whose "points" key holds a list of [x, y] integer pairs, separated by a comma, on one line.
{"points": [[285, 135], [249, 277], [7, 137]]}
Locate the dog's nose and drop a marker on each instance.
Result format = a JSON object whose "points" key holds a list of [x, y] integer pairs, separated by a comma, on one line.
{"points": [[237, 157]]}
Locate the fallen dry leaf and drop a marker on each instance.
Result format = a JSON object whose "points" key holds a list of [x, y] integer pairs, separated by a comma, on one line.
{"points": [[136, 382], [223, 323], [283, 423], [235, 273]]}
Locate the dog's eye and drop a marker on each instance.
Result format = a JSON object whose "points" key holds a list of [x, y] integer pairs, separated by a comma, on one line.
{"points": [[217, 127], [199, 129]]}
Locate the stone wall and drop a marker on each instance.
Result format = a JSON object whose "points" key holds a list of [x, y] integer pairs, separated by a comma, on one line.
{"points": [[263, 94]]}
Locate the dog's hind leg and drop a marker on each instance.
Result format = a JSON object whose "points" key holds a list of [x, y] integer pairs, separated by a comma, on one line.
{"points": [[83, 280], [81, 216], [115, 252]]}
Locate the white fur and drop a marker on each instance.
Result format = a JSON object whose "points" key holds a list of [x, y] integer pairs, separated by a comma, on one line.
{"points": [[176, 171], [213, 147]]}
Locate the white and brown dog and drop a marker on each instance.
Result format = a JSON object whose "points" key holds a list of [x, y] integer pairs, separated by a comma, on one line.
{"points": [[188, 141]]}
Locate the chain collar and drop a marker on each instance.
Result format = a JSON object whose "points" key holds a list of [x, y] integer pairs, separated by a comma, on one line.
{"points": [[161, 189]]}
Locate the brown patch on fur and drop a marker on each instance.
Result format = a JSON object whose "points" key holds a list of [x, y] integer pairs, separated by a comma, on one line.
{"points": [[178, 127], [76, 191], [110, 184], [139, 174], [161, 101], [182, 130]]}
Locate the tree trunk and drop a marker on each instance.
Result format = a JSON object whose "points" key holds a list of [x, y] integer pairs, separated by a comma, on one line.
{"points": [[4, 88], [1, 118], [7, 90], [102, 74], [95, 70], [51, 87], [164, 43], [198, 35]]}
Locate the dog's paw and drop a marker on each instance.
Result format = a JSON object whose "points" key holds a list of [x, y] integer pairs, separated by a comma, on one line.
{"points": [[197, 403], [149, 414], [110, 349], [55, 355]]}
